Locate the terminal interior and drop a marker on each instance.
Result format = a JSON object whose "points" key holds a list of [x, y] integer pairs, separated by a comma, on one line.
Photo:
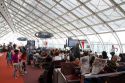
{"points": [[62, 41]]}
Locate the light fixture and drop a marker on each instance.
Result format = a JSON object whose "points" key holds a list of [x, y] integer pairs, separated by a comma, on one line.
{"points": [[42, 34], [22, 39]]}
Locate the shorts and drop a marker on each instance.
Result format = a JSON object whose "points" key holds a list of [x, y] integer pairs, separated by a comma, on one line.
{"points": [[9, 60], [16, 65]]}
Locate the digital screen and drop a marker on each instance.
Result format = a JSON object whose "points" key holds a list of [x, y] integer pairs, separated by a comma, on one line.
{"points": [[31, 43], [72, 42]]}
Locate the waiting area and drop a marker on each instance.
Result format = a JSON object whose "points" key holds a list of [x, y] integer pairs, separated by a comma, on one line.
{"points": [[42, 65], [62, 41]]}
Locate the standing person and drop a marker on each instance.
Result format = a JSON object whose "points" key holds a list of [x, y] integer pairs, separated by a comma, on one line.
{"points": [[10, 46], [23, 61], [9, 58], [22, 49], [14, 46], [4, 47], [77, 51], [71, 55], [15, 61], [29, 55]]}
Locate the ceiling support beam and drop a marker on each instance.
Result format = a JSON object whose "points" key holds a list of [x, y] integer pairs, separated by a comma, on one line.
{"points": [[67, 22], [18, 23], [83, 22], [38, 16], [122, 10], [117, 6], [113, 32], [5, 14]]}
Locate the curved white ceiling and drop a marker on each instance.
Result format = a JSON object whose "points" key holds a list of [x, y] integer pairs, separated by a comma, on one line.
{"points": [[97, 19]]}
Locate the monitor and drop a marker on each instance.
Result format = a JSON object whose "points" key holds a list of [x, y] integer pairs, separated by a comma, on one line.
{"points": [[72, 42]]}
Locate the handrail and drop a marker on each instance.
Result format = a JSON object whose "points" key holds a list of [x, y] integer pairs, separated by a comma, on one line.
{"points": [[102, 75], [60, 73], [99, 75]]}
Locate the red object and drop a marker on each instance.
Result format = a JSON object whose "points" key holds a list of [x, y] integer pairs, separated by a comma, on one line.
{"points": [[23, 56], [6, 73], [82, 43], [46, 43]]}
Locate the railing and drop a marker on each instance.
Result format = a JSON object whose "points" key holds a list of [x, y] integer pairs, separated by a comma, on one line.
{"points": [[107, 75]]}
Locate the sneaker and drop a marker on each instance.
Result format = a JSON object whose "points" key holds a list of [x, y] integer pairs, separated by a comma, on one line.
{"points": [[25, 72], [22, 74]]}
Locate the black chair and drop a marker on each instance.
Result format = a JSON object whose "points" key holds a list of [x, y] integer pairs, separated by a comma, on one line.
{"points": [[122, 55], [43, 77], [116, 79]]}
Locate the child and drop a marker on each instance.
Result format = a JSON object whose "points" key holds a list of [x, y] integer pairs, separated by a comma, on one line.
{"points": [[9, 58], [23, 61], [15, 61]]}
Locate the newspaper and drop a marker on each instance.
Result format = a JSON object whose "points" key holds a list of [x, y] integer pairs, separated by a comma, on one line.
{"points": [[85, 67], [98, 65]]}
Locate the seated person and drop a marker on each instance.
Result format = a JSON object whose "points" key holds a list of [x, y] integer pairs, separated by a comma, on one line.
{"points": [[98, 65], [100, 56], [104, 55], [35, 58], [92, 59], [77, 62], [112, 65], [85, 64], [117, 66]]}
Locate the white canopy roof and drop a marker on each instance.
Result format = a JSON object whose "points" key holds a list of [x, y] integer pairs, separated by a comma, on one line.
{"points": [[101, 22]]}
